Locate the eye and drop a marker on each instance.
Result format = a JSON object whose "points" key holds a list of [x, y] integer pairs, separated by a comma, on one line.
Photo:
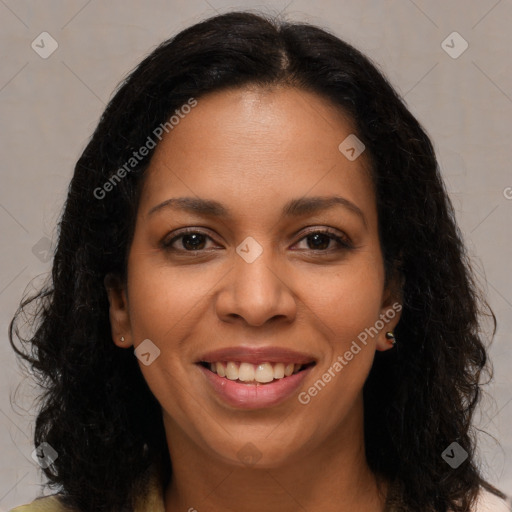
{"points": [[320, 240], [190, 241]]}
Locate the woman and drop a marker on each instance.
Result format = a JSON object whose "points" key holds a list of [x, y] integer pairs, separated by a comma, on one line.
{"points": [[260, 297]]}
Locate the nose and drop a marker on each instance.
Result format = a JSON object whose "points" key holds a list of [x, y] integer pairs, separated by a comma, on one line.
{"points": [[256, 292]]}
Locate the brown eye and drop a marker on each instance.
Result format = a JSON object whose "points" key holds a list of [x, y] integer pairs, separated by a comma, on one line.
{"points": [[190, 241], [320, 240]]}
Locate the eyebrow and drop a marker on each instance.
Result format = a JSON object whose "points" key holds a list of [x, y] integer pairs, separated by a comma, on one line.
{"points": [[293, 208]]}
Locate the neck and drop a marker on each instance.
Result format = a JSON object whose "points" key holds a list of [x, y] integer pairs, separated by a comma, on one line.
{"points": [[333, 478]]}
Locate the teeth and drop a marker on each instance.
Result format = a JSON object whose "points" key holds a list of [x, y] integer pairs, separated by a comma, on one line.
{"points": [[278, 371], [232, 371], [248, 372], [264, 373], [288, 369], [221, 372]]}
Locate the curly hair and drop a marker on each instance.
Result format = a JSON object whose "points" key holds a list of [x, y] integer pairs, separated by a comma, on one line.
{"points": [[96, 408]]}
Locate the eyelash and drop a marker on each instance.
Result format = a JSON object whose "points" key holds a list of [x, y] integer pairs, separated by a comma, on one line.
{"points": [[344, 243]]}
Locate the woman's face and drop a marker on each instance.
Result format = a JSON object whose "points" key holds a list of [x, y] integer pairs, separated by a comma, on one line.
{"points": [[242, 268]]}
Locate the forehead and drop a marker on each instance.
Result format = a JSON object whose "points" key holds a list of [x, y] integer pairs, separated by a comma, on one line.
{"points": [[259, 146]]}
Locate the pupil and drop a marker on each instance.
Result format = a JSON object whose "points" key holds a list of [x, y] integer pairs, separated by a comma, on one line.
{"points": [[320, 235], [194, 245]]}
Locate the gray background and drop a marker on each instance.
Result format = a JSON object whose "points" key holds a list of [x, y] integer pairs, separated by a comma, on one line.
{"points": [[49, 108]]}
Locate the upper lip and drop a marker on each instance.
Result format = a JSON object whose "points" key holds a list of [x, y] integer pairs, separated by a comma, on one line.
{"points": [[257, 355]]}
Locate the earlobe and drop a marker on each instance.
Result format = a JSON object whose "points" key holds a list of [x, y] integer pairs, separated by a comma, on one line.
{"points": [[390, 314], [118, 311], [386, 339], [390, 342]]}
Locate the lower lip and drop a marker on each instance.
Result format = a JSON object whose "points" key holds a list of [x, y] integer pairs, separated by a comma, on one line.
{"points": [[252, 396]]}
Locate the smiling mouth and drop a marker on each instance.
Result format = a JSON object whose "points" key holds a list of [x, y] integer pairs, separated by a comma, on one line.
{"points": [[248, 373]]}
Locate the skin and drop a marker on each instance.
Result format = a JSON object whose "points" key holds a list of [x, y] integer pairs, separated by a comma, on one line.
{"points": [[253, 150]]}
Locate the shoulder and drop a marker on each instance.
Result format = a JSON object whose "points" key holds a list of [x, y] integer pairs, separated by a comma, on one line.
{"points": [[45, 504], [489, 502]]}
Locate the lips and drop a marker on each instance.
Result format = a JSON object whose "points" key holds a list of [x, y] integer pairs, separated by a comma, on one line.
{"points": [[257, 355], [251, 378]]}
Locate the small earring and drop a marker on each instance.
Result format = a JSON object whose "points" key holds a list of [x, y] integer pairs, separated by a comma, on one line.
{"points": [[122, 339], [391, 337]]}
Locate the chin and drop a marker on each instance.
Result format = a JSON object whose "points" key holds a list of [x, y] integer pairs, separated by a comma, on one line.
{"points": [[259, 453]]}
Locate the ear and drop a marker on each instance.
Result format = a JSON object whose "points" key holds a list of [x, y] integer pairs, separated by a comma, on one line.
{"points": [[119, 313], [391, 310]]}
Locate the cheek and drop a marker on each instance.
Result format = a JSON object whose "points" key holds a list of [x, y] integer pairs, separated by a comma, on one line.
{"points": [[350, 310], [348, 306], [162, 299], [348, 300], [163, 309]]}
